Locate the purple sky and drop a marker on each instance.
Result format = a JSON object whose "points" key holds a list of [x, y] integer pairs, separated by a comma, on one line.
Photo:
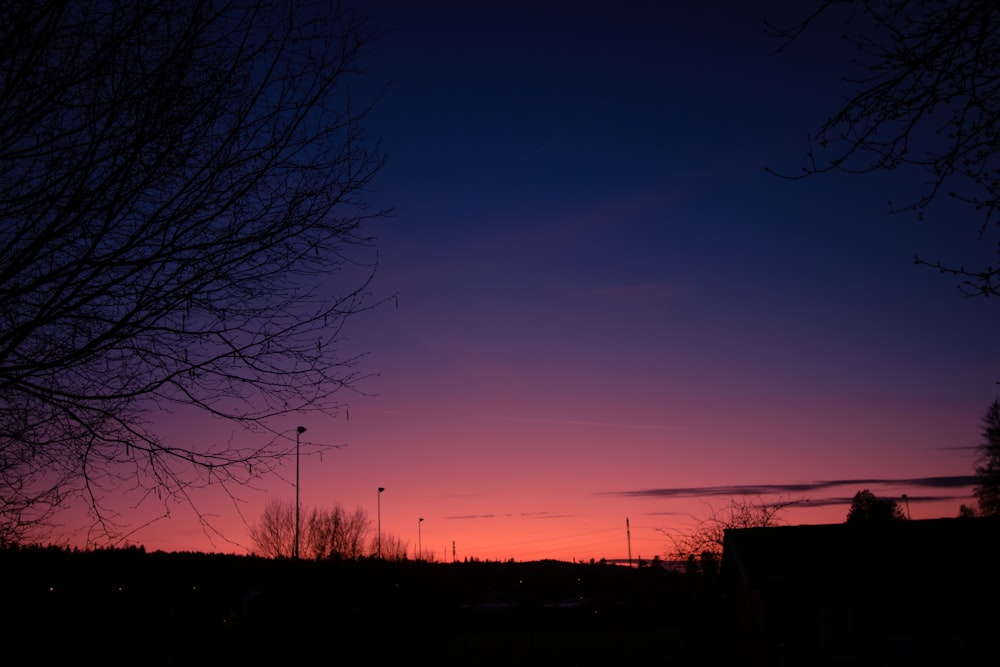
{"points": [[608, 310]]}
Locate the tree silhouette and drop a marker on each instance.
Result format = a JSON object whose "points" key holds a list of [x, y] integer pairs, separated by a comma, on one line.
{"points": [[705, 539], [393, 547], [337, 533], [927, 97], [866, 508], [180, 227], [988, 469], [326, 534], [273, 536]]}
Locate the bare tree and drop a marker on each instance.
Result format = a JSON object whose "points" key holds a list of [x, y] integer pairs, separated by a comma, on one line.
{"points": [[325, 533], [393, 547], [705, 538], [273, 535], [181, 219], [337, 533], [926, 96]]}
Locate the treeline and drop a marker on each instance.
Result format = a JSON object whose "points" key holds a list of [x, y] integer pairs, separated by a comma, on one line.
{"points": [[127, 606], [54, 581], [128, 583]]}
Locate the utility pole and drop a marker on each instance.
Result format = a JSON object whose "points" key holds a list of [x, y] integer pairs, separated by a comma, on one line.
{"points": [[628, 537]]}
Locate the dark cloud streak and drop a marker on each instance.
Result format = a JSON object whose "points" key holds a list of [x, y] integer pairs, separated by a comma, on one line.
{"points": [[953, 482]]}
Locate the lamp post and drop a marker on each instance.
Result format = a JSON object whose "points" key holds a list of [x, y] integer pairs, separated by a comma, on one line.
{"points": [[419, 522], [380, 490], [298, 432]]}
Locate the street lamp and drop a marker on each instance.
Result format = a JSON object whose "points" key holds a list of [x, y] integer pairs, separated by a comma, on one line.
{"points": [[419, 523], [299, 431], [380, 490]]}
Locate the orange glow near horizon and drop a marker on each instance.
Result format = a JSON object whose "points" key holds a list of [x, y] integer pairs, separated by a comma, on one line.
{"points": [[524, 503]]}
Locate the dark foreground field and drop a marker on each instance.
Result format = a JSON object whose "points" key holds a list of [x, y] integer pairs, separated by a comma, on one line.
{"points": [[126, 607]]}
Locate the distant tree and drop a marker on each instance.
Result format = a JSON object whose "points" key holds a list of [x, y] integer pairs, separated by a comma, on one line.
{"points": [[966, 512], [273, 536], [392, 548], [926, 96], [180, 228], [337, 533], [988, 469], [705, 539], [323, 533], [866, 508], [425, 555]]}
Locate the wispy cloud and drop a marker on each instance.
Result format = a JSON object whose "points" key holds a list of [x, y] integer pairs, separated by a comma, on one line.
{"points": [[801, 494], [953, 482], [837, 501], [594, 424], [522, 515]]}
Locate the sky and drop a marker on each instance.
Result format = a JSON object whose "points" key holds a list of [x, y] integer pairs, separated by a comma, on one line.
{"points": [[609, 319]]}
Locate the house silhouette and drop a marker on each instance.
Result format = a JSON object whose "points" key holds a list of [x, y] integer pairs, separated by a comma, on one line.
{"points": [[891, 593]]}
